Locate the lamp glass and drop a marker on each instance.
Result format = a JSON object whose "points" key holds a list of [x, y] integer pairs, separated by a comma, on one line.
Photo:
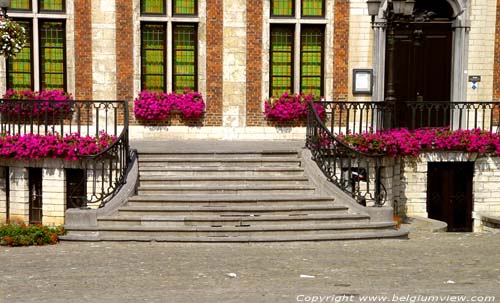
{"points": [[4, 3], [373, 7], [398, 6], [409, 5]]}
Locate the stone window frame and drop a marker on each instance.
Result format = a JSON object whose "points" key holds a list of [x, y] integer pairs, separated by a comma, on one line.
{"points": [[35, 16], [170, 19], [298, 21]]}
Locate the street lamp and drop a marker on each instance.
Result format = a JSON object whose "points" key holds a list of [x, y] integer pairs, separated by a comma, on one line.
{"points": [[4, 5], [396, 11]]}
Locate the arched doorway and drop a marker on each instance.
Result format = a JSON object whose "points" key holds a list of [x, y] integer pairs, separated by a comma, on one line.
{"points": [[422, 64], [430, 55]]}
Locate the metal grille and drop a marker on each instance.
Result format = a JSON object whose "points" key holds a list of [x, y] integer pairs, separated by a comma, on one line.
{"points": [[20, 67], [35, 199], [184, 7], [311, 65], [20, 4], [281, 60], [313, 8], [76, 188], [153, 7], [153, 56], [282, 8], [51, 5], [185, 57], [52, 55]]}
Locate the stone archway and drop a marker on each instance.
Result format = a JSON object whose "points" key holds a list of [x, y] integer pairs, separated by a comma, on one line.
{"points": [[460, 38]]}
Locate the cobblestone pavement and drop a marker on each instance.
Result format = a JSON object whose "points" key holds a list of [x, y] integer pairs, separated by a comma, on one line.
{"points": [[437, 264]]}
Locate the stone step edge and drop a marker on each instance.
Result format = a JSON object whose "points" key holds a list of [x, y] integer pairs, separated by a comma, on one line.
{"points": [[240, 159], [260, 228], [222, 178], [401, 234], [226, 187], [230, 218], [234, 209], [231, 198]]}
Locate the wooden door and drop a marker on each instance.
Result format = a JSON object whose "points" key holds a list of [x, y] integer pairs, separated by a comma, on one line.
{"points": [[449, 194], [422, 72], [35, 199], [76, 188]]}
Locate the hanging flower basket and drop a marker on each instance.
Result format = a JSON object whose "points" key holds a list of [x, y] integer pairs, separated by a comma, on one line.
{"points": [[12, 38]]}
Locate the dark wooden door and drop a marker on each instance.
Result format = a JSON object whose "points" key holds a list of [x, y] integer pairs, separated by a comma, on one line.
{"points": [[449, 194], [422, 71], [35, 199]]}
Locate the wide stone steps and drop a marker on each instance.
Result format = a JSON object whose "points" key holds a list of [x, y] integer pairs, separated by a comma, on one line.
{"points": [[252, 210], [229, 196], [221, 171], [232, 231], [235, 220], [230, 200], [156, 180], [228, 189]]}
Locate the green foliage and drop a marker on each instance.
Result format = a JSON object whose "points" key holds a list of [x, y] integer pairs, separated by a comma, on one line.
{"points": [[20, 234]]}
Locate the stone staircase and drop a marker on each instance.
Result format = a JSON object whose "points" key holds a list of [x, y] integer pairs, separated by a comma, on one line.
{"points": [[229, 197]]}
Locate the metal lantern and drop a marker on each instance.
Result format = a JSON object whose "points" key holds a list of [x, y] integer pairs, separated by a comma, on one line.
{"points": [[398, 7], [373, 7], [4, 3], [409, 5]]}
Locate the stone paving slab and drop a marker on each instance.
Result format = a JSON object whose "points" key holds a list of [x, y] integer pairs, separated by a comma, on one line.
{"points": [[170, 146], [436, 264]]}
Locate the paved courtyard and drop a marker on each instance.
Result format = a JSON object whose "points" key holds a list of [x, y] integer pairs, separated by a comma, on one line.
{"points": [[444, 266]]}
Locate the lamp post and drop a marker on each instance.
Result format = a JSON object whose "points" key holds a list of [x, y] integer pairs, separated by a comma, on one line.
{"points": [[4, 5], [395, 11]]}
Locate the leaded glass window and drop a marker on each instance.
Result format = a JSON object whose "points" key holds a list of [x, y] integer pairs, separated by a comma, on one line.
{"points": [[51, 5], [281, 60], [154, 7], [184, 55], [184, 7], [20, 5], [20, 67], [282, 8], [311, 65], [313, 8], [52, 55], [153, 54]]}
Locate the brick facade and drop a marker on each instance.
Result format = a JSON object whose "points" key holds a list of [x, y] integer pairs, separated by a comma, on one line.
{"points": [[83, 50], [124, 51], [254, 63], [214, 98], [341, 50], [496, 67]]}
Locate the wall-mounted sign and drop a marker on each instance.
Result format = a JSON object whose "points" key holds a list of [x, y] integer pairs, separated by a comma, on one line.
{"points": [[362, 81], [474, 78]]}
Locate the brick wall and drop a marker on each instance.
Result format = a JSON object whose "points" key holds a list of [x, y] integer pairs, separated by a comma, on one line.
{"points": [[124, 53], [214, 100], [254, 63], [83, 50], [341, 49]]}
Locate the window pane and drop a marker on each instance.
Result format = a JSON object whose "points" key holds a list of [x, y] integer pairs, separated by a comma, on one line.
{"points": [[20, 67], [311, 69], [281, 60], [153, 57], [313, 8], [184, 7], [282, 8], [185, 72], [51, 5], [153, 7], [52, 55], [20, 4]]}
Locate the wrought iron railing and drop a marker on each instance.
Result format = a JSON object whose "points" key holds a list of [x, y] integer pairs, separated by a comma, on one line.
{"points": [[359, 174], [106, 171], [356, 117], [356, 173]]}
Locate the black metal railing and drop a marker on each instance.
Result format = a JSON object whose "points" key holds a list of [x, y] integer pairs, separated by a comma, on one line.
{"points": [[357, 117], [106, 171], [356, 173]]}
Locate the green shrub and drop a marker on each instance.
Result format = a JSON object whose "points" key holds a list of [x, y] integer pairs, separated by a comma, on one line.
{"points": [[20, 234]]}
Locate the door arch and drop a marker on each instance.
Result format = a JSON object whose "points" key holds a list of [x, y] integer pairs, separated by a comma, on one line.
{"points": [[458, 21]]}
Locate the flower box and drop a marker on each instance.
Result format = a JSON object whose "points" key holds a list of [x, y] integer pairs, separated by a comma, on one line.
{"points": [[290, 108], [154, 106]]}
